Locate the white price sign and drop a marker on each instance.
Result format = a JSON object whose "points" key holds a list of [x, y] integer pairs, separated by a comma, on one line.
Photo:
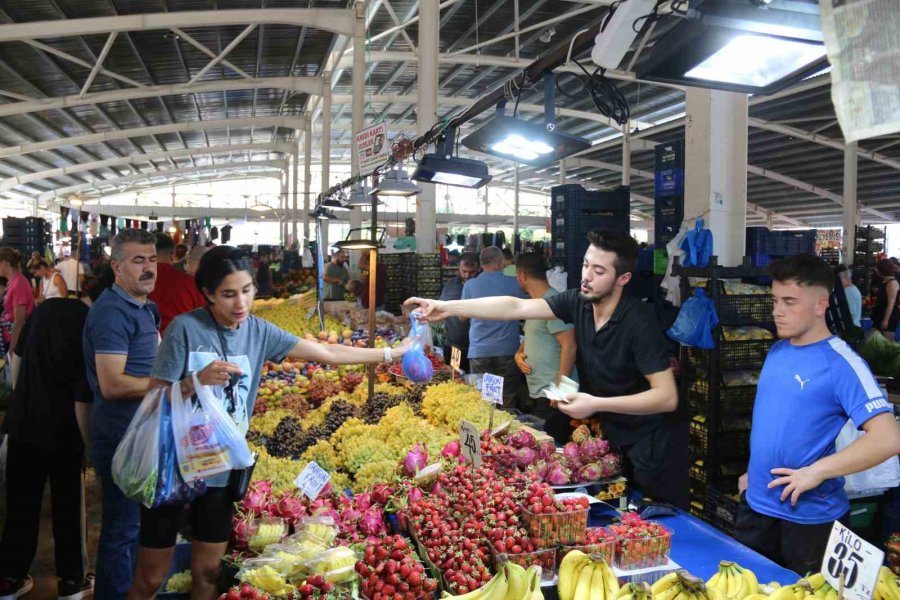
{"points": [[492, 388], [455, 358], [855, 559], [312, 479], [470, 443]]}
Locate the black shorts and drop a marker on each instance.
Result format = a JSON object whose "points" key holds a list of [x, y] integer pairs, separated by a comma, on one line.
{"points": [[210, 521]]}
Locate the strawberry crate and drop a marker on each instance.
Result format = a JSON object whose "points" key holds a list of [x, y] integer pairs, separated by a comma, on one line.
{"points": [[557, 528], [606, 549], [644, 552], [545, 558]]}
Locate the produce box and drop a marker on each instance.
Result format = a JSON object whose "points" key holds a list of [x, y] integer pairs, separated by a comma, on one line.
{"points": [[641, 553], [557, 528], [606, 549], [544, 558]]}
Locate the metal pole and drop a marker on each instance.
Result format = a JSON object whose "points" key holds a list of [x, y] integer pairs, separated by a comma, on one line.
{"points": [[282, 217], [516, 207], [326, 134], [562, 172], [307, 180], [626, 156], [516, 21], [358, 84], [373, 277], [427, 105], [295, 170], [851, 214]]}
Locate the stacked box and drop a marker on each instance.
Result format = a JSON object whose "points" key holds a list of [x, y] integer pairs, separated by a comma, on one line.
{"points": [[395, 294]]}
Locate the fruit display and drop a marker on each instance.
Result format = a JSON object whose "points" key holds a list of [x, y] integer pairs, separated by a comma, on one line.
{"points": [[510, 583], [744, 334], [635, 591], [888, 585], [390, 568], [597, 540], [244, 592], [179, 583], [679, 584], [587, 458], [555, 521], [640, 543], [586, 576], [733, 582]]}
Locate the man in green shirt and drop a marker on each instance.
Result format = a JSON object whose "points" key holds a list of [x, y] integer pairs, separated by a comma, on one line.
{"points": [[336, 276], [548, 352]]}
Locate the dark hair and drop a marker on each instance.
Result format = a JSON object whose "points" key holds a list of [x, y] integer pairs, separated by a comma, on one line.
{"points": [[621, 244], [3, 281], [841, 269], [884, 267], [164, 243], [37, 263], [507, 254], [533, 265], [181, 251], [11, 256], [128, 236], [807, 270], [217, 264], [470, 258]]}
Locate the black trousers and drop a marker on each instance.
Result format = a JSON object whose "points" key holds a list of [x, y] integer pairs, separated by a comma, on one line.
{"points": [[463, 359], [657, 464], [798, 547], [27, 470]]}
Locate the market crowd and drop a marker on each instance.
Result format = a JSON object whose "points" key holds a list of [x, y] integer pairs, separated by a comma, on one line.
{"points": [[82, 357]]}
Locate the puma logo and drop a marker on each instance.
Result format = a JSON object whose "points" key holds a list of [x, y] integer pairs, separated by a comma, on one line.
{"points": [[802, 382]]}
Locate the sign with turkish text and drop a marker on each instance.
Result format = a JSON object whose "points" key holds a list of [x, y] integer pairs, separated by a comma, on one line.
{"points": [[372, 148]]}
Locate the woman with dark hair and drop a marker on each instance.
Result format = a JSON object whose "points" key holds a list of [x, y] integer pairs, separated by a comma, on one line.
{"points": [[18, 304], [225, 347], [50, 282], [884, 313]]}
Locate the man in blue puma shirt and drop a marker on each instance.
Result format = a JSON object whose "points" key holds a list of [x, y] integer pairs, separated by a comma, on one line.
{"points": [[810, 384]]}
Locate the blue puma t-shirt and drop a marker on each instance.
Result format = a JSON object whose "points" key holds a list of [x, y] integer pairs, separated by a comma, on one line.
{"points": [[804, 398]]}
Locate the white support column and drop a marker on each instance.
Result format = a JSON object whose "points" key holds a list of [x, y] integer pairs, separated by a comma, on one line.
{"points": [[715, 180], [295, 187], [426, 111], [307, 180], [851, 212], [326, 134], [358, 85], [562, 172], [626, 156], [516, 205], [284, 204]]}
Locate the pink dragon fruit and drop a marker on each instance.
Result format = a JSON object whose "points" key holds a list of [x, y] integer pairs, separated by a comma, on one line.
{"points": [[241, 529], [256, 500], [350, 516], [415, 495], [541, 470], [590, 450], [525, 457], [437, 489], [451, 450], [546, 449], [415, 460], [589, 472], [581, 433], [559, 475], [372, 523], [521, 439], [381, 493], [610, 465], [363, 501], [572, 452], [290, 507]]}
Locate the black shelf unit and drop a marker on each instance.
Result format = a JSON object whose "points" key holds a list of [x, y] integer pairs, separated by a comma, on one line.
{"points": [[720, 414], [869, 244], [410, 274]]}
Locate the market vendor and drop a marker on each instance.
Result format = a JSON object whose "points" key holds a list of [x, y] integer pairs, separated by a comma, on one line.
{"points": [[336, 276], [811, 383], [622, 361], [226, 347]]}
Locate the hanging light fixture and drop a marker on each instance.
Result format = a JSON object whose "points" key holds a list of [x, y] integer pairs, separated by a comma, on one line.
{"points": [[356, 239], [76, 201], [396, 183], [442, 167], [360, 196]]}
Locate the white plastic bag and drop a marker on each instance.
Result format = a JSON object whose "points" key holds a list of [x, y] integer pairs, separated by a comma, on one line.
{"points": [[207, 440], [872, 481], [136, 461], [557, 279]]}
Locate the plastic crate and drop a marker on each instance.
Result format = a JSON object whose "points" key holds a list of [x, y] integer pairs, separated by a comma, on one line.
{"points": [[744, 309], [750, 354], [733, 400], [721, 509], [758, 241], [696, 508], [660, 261], [724, 478], [733, 445]]}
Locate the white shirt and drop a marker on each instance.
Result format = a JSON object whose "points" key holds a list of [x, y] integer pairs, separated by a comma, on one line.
{"points": [[70, 269], [48, 287]]}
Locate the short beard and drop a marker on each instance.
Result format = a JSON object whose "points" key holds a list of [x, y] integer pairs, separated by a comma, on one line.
{"points": [[596, 298]]}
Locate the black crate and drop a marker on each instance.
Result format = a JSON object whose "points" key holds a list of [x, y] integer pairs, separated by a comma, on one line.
{"points": [[733, 400], [721, 509], [732, 445], [750, 354], [746, 309], [723, 476], [696, 508]]}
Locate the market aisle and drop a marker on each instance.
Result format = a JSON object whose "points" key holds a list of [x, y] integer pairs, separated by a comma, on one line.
{"points": [[43, 569]]}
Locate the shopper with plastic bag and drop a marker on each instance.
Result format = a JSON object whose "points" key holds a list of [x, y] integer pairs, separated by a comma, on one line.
{"points": [[215, 356]]}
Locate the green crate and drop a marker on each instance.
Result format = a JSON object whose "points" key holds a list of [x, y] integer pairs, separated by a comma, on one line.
{"points": [[660, 261]]}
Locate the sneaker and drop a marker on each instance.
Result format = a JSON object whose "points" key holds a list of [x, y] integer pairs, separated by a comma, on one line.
{"points": [[10, 589], [74, 590]]}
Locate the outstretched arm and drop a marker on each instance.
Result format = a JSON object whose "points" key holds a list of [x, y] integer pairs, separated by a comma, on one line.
{"points": [[496, 308]]}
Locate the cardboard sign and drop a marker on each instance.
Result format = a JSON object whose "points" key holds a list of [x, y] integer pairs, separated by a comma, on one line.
{"points": [[492, 388], [855, 559], [312, 480], [470, 443], [455, 358], [372, 148]]}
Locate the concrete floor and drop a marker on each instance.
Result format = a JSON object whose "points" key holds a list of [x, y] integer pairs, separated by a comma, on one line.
{"points": [[43, 569]]}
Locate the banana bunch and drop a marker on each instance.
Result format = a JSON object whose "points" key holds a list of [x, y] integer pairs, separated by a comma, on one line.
{"points": [[635, 591], [678, 585], [888, 586], [733, 581], [512, 582], [586, 577]]}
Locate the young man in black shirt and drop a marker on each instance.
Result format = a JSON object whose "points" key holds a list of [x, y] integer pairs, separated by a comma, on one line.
{"points": [[622, 362]]}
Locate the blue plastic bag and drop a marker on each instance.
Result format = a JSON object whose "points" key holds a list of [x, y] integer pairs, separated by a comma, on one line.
{"points": [[695, 322], [697, 246], [171, 488], [416, 366]]}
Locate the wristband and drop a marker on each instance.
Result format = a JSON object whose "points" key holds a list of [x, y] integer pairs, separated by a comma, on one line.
{"points": [[387, 355]]}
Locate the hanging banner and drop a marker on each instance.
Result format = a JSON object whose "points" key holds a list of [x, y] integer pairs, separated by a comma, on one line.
{"points": [[372, 148]]}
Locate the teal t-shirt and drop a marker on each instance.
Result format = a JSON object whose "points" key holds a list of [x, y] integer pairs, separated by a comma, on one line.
{"points": [[334, 291], [542, 351]]}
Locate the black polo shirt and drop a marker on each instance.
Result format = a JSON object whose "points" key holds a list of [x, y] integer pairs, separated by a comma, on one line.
{"points": [[614, 360]]}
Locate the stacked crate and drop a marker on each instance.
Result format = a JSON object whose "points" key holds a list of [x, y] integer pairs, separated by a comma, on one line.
{"points": [[869, 244], [26, 235], [721, 414], [427, 276], [395, 294], [762, 245]]}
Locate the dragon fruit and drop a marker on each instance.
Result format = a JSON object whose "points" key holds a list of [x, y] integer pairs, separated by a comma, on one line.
{"points": [[521, 439], [542, 469], [256, 500], [558, 475], [581, 433], [589, 472], [381, 493], [415, 460], [415, 495], [591, 450], [546, 449], [525, 457], [363, 501], [437, 489], [451, 450], [572, 452], [241, 529], [372, 523], [289, 507], [610, 465]]}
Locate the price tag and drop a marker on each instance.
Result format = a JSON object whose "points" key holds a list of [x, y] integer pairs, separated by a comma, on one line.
{"points": [[470, 443], [311, 480], [455, 358], [856, 559], [492, 388]]}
